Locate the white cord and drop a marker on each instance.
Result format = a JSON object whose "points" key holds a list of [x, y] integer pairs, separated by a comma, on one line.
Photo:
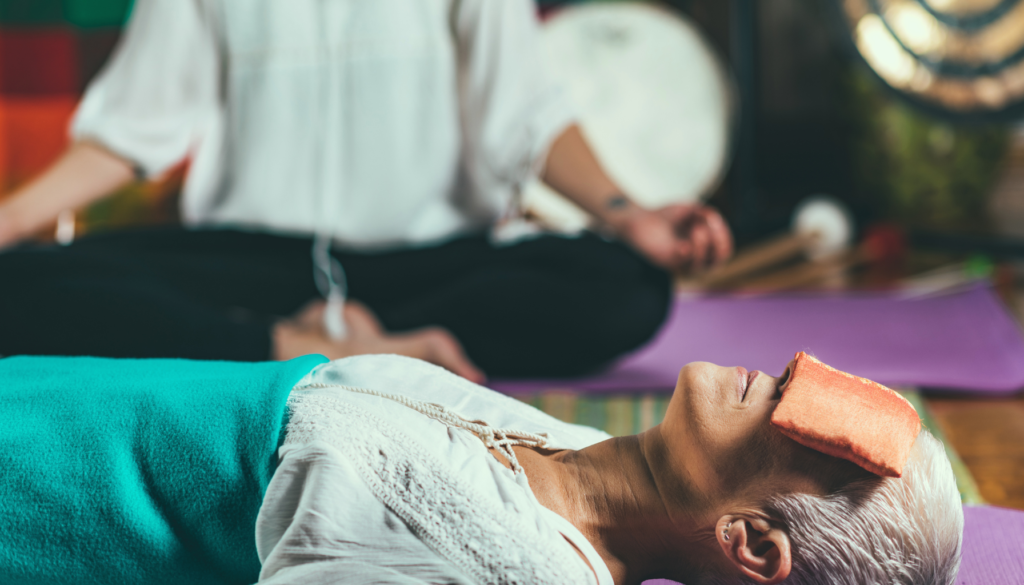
{"points": [[327, 271], [332, 284], [65, 233], [500, 439]]}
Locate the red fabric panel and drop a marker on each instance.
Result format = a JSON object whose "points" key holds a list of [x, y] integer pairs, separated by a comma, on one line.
{"points": [[38, 62], [848, 417], [33, 133]]}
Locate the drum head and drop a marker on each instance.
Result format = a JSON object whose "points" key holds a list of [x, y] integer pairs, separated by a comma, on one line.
{"points": [[655, 102]]}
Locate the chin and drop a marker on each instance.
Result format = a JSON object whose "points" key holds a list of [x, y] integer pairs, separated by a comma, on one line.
{"points": [[696, 396], [697, 377]]}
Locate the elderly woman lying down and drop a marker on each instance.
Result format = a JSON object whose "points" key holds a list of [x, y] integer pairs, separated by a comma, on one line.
{"points": [[384, 469]]}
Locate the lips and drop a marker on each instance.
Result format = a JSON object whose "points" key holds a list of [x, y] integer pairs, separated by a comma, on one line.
{"points": [[745, 380]]}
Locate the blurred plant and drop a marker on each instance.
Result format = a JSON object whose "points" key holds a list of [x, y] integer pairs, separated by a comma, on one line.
{"points": [[916, 170]]}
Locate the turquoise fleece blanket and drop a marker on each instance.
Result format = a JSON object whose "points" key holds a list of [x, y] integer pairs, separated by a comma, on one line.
{"points": [[136, 471]]}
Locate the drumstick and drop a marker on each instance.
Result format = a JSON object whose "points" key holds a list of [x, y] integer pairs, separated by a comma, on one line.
{"points": [[757, 258], [821, 230], [879, 245], [805, 275]]}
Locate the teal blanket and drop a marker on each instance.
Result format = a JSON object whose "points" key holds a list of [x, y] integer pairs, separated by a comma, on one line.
{"points": [[136, 471]]}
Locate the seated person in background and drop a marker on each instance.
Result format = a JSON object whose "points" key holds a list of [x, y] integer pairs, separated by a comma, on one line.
{"points": [[395, 133], [382, 477]]}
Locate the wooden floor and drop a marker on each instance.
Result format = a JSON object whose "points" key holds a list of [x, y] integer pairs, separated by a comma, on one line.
{"points": [[989, 436]]}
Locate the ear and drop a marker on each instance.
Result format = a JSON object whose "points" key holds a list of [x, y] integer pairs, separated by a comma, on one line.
{"points": [[756, 548]]}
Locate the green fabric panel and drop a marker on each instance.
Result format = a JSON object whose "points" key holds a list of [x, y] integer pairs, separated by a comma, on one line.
{"points": [[591, 411], [136, 471], [97, 13], [660, 407], [637, 403], [31, 12]]}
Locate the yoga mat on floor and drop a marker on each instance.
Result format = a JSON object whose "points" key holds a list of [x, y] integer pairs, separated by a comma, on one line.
{"points": [[962, 341], [993, 552], [993, 547]]}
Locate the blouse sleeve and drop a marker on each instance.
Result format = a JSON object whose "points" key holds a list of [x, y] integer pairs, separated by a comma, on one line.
{"points": [[511, 110], [158, 89]]}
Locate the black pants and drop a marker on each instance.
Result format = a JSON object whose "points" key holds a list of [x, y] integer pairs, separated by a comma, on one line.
{"points": [[550, 306]]}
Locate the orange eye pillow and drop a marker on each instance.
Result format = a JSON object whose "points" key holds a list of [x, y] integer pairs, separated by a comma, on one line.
{"points": [[848, 417]]}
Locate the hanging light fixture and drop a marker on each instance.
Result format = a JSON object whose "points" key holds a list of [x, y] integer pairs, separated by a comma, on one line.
{"points": [[961, 57]]}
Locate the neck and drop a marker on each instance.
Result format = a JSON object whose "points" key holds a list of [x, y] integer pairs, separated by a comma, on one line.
{"points": [[619, 495]]}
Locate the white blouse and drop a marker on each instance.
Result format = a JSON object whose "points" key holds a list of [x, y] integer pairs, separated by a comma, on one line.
{"points": [[370, 491], [381, 123]]}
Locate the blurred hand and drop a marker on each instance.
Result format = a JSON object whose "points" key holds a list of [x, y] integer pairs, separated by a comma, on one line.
{"points": [[679, 237], [9, 232], [85, 173]]}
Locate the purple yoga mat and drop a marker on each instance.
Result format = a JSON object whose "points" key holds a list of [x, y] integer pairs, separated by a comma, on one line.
{"points": [[964, 341], [993, 547], [993, 552]]}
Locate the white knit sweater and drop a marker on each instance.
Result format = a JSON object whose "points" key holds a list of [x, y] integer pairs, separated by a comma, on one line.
{"points": [[371, 490]]}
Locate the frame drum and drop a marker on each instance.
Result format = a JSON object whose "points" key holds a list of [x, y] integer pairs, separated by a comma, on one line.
{"points": [[654, 100]]}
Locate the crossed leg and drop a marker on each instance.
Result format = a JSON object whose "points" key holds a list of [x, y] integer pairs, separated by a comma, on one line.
{"points": [[547, 307]]}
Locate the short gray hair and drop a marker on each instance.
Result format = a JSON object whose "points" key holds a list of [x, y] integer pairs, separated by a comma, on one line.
{"points": [[883, 531]]}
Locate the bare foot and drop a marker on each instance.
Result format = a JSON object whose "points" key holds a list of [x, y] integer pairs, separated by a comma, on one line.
{"points": [[304, 334]]}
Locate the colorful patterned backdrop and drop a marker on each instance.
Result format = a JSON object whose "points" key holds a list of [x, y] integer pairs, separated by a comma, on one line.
{"points": [[49, 50]]}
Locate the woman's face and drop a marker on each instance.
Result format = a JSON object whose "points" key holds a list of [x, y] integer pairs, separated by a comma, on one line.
{"points": [[718, 427]]}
